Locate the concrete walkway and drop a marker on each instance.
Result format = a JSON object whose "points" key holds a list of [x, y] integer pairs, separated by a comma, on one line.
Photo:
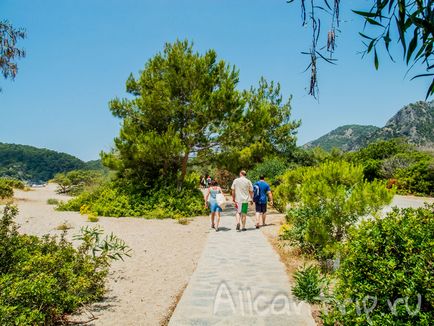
{"points": [[239, 280]]}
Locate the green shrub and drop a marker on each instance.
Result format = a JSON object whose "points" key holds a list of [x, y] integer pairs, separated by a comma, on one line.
{"points": [[75, 182], [287, 190], [224, 178], [412, 169], [42, 279], [327, 200], [385, 264], [417, 179], [310, 285], [381, 150], [52, 201], [270, 168], [6, 191], [164, 202], [14, 183]]}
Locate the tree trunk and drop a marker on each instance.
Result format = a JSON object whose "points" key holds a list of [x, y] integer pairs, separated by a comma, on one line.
{"points": [[183, 169]]}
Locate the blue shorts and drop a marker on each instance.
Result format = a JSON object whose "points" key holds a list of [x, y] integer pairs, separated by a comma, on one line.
{"points": [[214, 207]]}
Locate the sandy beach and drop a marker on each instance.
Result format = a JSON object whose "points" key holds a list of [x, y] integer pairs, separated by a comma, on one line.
{"points": [[143, 289]]}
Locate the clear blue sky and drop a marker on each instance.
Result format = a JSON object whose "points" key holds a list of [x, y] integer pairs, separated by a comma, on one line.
{"points": [[80, 52]]}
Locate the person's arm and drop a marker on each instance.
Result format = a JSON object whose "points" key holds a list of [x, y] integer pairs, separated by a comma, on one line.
{"points": [[251, 192], [270, 196], [206, 197], [233, 191]]}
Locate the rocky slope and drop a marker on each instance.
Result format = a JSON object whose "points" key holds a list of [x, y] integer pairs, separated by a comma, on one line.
{"points": [[414, 123], [343, 137]]}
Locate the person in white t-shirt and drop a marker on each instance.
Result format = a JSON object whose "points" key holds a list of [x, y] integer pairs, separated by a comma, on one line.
{"points": [[242, 192]]}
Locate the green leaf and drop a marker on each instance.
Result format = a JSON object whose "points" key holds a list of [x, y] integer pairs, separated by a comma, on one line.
{"points": [[365, 13], [373, 22], [365, 36], [413, 44], [430, 90], [370, 46], [376, 63], [401, 35]]}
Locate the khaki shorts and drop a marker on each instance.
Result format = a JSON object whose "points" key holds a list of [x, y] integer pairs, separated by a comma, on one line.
{"points": [[242, 208]]}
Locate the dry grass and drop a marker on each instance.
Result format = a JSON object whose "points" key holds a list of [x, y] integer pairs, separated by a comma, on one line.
{"points": [[289, 255], [166, 319]]}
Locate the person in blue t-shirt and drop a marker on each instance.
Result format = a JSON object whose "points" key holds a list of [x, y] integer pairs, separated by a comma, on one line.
{"points": [[263, 193]]}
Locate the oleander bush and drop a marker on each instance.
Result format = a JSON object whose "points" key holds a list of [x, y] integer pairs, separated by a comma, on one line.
{"points": [[44, 279], [386, 275]]}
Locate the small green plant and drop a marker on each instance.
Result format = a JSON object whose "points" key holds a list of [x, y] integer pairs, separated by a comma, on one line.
{"points": [[43, 279], [91, 217], [64, 226], [183, 221], [310, 285], [52, 201], [106, 248]]}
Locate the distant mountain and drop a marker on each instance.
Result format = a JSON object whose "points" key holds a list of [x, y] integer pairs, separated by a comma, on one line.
{"points": [[37, 164], [343, 137], [414, 123]]}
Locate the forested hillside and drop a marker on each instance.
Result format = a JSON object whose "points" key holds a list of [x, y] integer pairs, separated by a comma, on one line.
{"points": [[37, 164], [343, 137]]}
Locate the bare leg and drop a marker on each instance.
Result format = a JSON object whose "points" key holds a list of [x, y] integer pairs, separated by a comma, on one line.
{"points": [[264, 216], [238, 218], [258, 218], [218, 220], [243, 220], [212, 219]]}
